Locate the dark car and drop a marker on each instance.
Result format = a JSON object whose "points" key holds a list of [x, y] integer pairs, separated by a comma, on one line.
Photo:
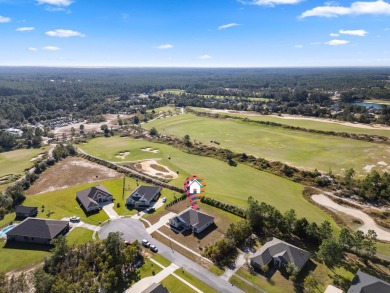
{"points": [[153, 248]]}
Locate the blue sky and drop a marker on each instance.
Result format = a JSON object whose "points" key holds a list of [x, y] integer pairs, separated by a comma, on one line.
{"points": [[196, 33]]}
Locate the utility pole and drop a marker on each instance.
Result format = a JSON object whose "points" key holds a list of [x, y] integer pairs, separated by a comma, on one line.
{"points": [[124, 182]]}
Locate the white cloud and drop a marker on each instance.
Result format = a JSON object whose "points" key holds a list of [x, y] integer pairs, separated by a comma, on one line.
{"points": [[356, 8], [337, 42], [205, 57], [56, 2], [387, 29], [225, 26], [360, 33], [271, 3], [25, 29], [315, 43], [334, 35], [60, 33], [51, 48], [165, 46], [4, 19], [298, 46], [32, 49]]}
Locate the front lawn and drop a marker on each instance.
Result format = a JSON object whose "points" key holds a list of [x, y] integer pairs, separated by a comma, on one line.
{"points": [[162, 260], [148, 269], [174, 285], [194, 281], [79, 236]]}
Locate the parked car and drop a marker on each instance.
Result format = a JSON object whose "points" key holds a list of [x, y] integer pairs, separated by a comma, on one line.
{"points": [[145, 243], [164, 199], [150, 210], [74, 219], [153, 248]]}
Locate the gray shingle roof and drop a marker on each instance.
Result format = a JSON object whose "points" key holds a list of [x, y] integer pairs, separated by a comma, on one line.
{"points": [[147, 192], [39, 228], [25, 209], [195, 219], [87, 196], [284, 250], [365, 283], [155, 288]]}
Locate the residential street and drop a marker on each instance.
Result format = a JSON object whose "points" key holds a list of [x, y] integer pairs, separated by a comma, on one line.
{"points": [[134, 230]]}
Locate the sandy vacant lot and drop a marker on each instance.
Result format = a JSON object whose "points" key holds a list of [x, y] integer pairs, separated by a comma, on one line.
{"points": [[111, 121], [69, 172]]}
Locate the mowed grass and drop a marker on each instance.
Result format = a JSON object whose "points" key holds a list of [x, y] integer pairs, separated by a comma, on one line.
{"points": [[15, 162], [21, 255], [174, 285], [79, 236], [225, 183], [310, 124], [300, 149], [194, 281], [7, 219]]}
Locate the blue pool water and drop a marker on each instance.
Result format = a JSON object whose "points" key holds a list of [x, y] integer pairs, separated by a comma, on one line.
{"points": [[5, 230]]}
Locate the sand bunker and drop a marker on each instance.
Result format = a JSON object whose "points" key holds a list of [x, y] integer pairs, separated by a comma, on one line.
{"points": [[122, 155], [37, 157], [382, 163], [152, 168], [368, 168], [150, 150]]}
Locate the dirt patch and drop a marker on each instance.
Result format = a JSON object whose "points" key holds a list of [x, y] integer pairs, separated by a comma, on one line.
{"points": [[70, 172], [111, 121], [37, 157], [150, 150], [122, 155], [368, 168], [152, 168]]}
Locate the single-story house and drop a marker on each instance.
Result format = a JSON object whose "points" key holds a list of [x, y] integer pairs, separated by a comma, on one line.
{"points": [[155, 288], [24, 211], [190, 219], [91, 197], [281, 254], [365, 283], [144, 195], [35, 230]]}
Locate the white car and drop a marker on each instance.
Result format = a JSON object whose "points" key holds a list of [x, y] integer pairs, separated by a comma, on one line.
{"points": [[145, 243], [74, 219], [164, 199]]}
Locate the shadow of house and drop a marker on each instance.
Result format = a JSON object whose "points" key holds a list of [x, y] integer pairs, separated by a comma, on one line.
{"points": [[91, 198], [277, 255], [33, 230], [365, 283], [194, 221]]}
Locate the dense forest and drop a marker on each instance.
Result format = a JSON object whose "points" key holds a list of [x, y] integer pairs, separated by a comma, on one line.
{"points": [[40, 96]]}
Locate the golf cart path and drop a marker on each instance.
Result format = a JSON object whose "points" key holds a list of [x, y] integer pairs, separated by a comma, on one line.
{"points": [[368, 222]]}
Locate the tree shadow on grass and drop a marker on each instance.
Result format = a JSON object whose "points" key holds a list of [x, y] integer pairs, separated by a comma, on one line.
{"points": [[28, 246]]}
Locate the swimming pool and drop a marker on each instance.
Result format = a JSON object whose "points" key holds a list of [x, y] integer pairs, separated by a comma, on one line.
{"points": [[5, 230]]}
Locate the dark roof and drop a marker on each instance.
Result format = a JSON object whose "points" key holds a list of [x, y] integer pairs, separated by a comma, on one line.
{"points": [[155, 288], [284, 250], [87, 196], [39, 228], [195, 218], [24, 209], [147, 192], [365, 283]]}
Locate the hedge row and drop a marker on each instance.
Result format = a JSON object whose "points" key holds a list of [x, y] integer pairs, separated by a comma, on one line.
{"points": [[238, 211]]}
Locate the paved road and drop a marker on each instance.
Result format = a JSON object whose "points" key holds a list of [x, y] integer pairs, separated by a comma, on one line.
{"points": [[134, 230]]}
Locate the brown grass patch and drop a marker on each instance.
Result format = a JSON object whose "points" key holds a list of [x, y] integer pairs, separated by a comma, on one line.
{"points": [[159, 168], [195, 242], [181, 250], [70, 172]]}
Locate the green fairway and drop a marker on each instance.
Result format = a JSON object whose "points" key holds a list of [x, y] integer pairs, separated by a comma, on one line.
{"points": [[79, 236], [15, 162], [310, 124], [225, 183], [300, 149], [21, 255]]}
